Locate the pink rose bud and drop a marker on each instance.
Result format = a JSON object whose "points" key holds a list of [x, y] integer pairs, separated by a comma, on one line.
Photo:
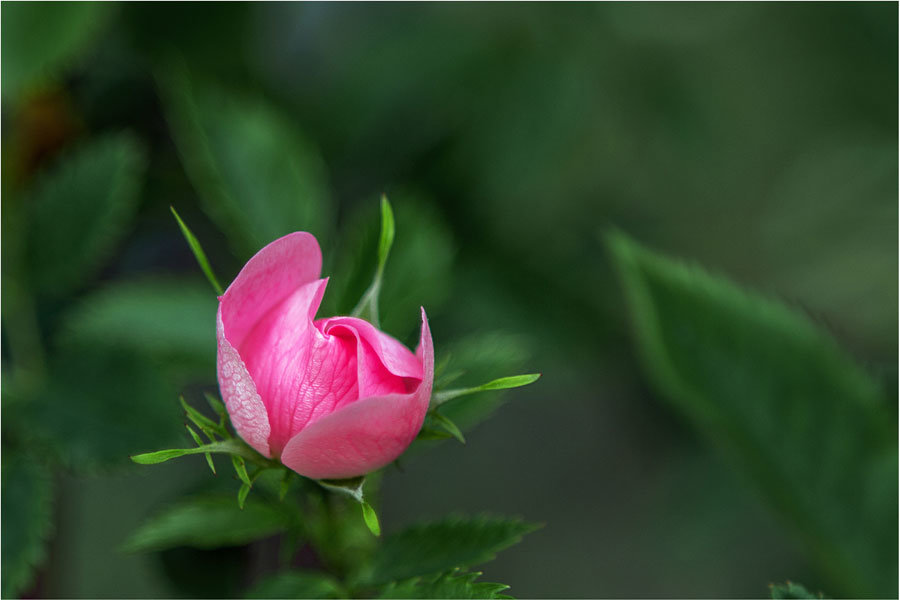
{"points": [[331, 398]]}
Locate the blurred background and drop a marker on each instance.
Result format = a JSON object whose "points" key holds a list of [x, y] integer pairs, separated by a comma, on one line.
{"points": [[759, 140]]}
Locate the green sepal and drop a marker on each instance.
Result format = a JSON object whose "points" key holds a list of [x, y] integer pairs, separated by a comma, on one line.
{"points": [[285, 484], [438, 398], [206, 425], [352, 487], [198, 253], [199, 442], [219, 407], [448, 425], [371, 519], [242, 494], [234, 447], [241, 468]]}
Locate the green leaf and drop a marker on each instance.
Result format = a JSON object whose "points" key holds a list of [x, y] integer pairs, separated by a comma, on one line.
{"points": [[477, 358], [499, 384], [453, 542], [242, 494], [427, 433], [27, 491], [198, 253], [453, 585], [163, 318], [100, 406], [206, 425], [241, 468], [386, 240], [419, 273], [38, 40], [208, 522], [199, 442], [296, 584], [791, 590], [367, 308], [777, 394], [257, 175], [352, 487], [224, 446], [371, 519], [218, 406], [80, 209], [448, 425]]}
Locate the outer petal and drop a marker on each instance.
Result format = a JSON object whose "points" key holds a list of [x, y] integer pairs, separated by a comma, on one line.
{"points": [[270, 276], [365, 435], [246, 409]]}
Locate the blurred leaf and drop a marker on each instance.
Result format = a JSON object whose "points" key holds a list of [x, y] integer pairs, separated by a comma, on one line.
{"points": [[208, 523], [257, 176], [791, 590], [163, 318], [454, 585], [80, 209], [198, 253], [443, 396], [101, 406], [39, 39], [453, 542], [777, 393], [419, 273], [297, 585], [27, 493]]}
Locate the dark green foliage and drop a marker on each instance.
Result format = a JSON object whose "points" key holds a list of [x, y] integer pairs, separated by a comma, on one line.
{"points": [[40, 39], [27, 492], [258, 177], [80, 209], [296, 585], [450, 543], [453, 585], [103, 405], [160, 318], [209, 523], [809, 426]]}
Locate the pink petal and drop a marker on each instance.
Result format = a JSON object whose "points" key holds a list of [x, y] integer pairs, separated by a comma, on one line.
{"points": [[301, 373], [270, 276], [367, 434], [246, 409], [384, 364]]}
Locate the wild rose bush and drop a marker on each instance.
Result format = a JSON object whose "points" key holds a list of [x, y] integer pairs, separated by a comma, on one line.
{"points": [[334, 400]]}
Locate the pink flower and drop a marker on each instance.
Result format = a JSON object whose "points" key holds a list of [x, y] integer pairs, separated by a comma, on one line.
{"points": [[331, 398]]}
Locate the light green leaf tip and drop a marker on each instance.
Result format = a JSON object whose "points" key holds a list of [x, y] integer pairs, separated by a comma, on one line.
{"points": [[499, 384], [198, 253], [387, 234], [367, 307], [371, 519]]}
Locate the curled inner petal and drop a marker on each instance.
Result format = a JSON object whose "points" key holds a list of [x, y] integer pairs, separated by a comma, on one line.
{"points": [[304, 371]]}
